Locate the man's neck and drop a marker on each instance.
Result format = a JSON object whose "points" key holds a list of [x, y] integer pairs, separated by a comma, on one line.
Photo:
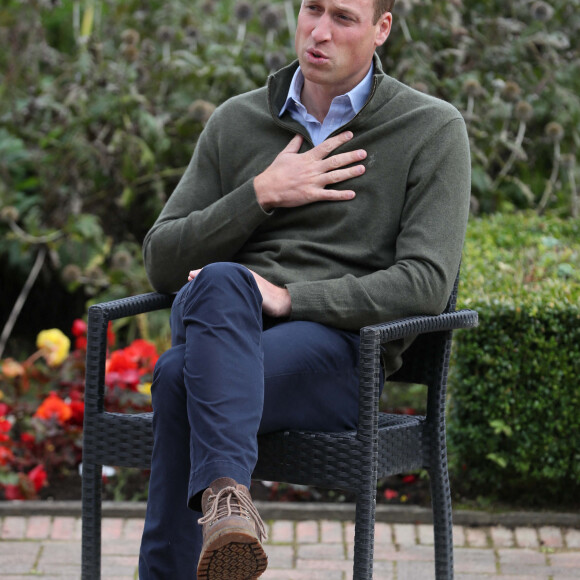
{"points": [[317, 100]]}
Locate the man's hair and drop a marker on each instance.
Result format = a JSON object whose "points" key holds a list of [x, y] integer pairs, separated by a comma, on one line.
{"points": [[382, 6]]}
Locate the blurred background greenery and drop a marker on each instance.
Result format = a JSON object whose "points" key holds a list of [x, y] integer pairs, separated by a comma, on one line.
{"points": [[102, 102]]}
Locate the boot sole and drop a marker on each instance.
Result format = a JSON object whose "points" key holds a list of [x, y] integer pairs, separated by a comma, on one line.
{"points": [[232, 555]]}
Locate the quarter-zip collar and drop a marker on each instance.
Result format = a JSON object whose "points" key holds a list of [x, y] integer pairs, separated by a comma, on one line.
{"points": [[279, 84]]}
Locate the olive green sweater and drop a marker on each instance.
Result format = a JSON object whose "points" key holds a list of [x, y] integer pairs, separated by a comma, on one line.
{"points": [[392, 251]]}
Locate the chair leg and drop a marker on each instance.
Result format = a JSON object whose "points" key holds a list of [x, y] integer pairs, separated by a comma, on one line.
{"points": [[442, 522], [364, 535], [91, 521]]}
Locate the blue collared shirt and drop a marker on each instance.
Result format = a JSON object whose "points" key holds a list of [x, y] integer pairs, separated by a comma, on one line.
{"points": [[342, 109]]}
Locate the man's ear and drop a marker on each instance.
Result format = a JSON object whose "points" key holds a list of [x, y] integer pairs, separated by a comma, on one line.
{"points": [[383, 28]]}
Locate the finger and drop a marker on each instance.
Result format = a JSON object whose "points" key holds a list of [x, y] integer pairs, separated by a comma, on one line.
{"points": [[342, 159], [193, 274], [327, 147], [342, 174], [294, 145], [335, 195]]}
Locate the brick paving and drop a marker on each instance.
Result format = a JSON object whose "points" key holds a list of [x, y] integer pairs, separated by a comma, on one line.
{"points": [[48, 547]]}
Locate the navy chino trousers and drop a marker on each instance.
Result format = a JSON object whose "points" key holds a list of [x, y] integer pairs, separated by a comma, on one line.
{"points": [[229, 375]]}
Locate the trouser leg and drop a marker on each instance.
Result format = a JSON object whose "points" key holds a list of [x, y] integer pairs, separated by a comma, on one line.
{"points": [[207, 400], [220, 314], [311, 382], [171, 540]]}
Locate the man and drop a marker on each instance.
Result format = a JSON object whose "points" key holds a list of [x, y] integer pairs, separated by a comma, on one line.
{"points": [[333, 198]]}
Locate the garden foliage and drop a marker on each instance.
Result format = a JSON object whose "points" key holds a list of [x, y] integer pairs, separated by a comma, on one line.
{"points": [[514, 427], [102, 102]]}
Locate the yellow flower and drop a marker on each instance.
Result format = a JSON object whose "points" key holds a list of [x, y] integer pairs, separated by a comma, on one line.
{"points": [[54, 345], [145, 388]]}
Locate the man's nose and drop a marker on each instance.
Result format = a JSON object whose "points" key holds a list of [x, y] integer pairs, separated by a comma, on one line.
{"points": [[322, 30]]}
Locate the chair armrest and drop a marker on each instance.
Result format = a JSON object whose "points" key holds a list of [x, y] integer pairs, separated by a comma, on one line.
{"points": [[132, 305], [373, 336], [99, 317], [414, 325]]}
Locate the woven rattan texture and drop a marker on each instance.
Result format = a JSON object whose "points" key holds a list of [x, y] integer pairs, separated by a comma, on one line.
{"points": [[382, 445]]}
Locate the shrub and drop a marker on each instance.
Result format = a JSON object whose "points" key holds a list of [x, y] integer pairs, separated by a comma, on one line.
{"points": [[101, 105], [512, 69], [514, 427]]}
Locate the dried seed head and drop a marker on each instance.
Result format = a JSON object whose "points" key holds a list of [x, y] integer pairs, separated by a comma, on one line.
{"points": [[459, 32], [209, 7], [165, 33], [511, 91], [472, 88], [554, 132], [243, 11], [274, 60], [402, 8], [9, 214], [542, 11], [130, 36], [191, 32], [271, 18], [498, 84], [523, 111], [130, 52], [201, 110], [71, 273], [121, 260], [95, 275]]}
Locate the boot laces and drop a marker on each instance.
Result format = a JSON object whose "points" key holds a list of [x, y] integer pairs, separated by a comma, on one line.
{"points": [[222, 506]]}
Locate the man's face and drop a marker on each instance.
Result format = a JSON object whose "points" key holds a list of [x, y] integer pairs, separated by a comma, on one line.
{"points": [[335, 41]]}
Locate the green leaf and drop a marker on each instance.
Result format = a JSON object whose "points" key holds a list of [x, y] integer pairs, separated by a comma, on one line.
{"points": [[498, 459]]}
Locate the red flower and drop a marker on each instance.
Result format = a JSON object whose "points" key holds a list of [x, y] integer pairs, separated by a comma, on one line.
{"points": [[125, 367], [78, 412], [6, 455], [409, 479], [391, 494], [121, 360], [4, 409], [144, 353], [28, 439], [110, 335], [12, 491], [79, 328], [128, 379], [54, 406], [5, 427], [38, 477], [81, 343]]}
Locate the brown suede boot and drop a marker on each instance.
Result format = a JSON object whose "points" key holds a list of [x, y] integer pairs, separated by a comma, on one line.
{"points": [[233, 533]]}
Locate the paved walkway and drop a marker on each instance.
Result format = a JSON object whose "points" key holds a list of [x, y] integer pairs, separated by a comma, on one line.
{"points": [[48, 546]]}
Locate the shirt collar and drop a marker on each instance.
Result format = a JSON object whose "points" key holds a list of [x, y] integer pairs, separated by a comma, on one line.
{"points": [[357, 96]]}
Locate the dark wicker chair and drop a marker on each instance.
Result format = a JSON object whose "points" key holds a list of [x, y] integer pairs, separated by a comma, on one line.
{"points": [[383, 444]]}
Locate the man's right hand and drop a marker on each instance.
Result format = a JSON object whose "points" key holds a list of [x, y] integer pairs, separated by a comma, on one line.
{"points": [[295, 179]]}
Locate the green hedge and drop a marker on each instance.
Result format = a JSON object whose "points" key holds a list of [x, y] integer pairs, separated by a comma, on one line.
{"points": [[514, 421]]}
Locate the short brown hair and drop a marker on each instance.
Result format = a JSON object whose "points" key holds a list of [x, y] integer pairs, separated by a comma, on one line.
{"points": [[382, 6]]}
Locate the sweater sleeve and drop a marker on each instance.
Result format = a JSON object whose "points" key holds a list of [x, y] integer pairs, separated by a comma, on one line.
{"points": [[200, 223], [428, 251]]}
